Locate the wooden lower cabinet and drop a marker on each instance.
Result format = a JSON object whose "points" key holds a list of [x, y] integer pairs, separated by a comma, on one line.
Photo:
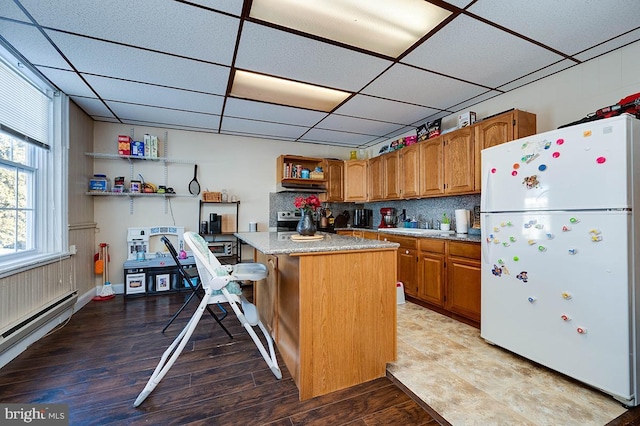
{"points": [[407, 261], [431, 261], [463, 280], [447, 278]]}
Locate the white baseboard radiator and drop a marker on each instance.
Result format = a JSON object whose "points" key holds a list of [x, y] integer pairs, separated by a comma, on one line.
{"points": [[14, 333]]}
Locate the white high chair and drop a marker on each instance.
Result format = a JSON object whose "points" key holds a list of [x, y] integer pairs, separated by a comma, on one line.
{"points": [[220, 286]]}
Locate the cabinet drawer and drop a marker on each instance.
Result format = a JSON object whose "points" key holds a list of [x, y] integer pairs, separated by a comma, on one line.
{"points": [[470, 250], [428, 244], [405, 242]]}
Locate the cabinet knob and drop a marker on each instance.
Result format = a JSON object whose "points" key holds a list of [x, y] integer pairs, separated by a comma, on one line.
{"points": [[406, 252]]}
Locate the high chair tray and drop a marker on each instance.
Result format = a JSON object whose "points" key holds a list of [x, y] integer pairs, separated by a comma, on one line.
{"points": [[250, 271]]}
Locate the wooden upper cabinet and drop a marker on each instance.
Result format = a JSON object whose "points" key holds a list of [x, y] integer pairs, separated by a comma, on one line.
{"points": [[459, 162], [334, 170], [392, 175], [497, 130], [431, 167], [376, 178], [410, 171], [355, 180]]}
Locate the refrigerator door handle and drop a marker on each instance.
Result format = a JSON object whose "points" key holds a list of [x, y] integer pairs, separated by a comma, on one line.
{"points": [[483, 244], [485, 186]]}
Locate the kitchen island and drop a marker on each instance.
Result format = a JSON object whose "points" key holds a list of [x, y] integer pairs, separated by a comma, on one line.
{"points": [[330, 306]]}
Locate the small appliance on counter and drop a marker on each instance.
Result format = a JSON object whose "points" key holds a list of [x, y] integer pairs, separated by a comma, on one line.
{"points": [[362, 218], [389, 218]]}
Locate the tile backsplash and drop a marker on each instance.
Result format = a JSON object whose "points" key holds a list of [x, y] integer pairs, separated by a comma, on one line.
{"points": [[425, 211]]}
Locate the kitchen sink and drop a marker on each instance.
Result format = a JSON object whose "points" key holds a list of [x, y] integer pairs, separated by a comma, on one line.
{"points": [[415, 231]]}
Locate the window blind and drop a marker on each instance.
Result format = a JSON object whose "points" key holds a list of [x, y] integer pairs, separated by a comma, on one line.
{"points": [[24, 109]]}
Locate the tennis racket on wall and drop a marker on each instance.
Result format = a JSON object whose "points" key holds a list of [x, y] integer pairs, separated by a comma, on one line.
{"points": [[194, 186]]}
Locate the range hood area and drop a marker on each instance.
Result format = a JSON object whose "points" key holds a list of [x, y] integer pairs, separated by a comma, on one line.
{"points": [[302, 187]]}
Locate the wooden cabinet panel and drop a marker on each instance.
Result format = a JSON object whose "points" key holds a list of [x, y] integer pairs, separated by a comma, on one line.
{"points": [[392, 175], [355, 180], [410, 171], [459, 163], [376, 178], [334, 170], [463, 287], [407, 261], [370, 235], [265, 293], [431, 277], [431, 167], [498, 130]]}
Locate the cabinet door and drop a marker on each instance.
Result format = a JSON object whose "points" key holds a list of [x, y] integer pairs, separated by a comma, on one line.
{"points": [[463, 280], [370, 235], [410, 171], [498, 130], [266, 293], [459, 163], [431, 167], [407, 261], [334, 170], [376, 178], [355, 180], [431, 277], [392, 176]]}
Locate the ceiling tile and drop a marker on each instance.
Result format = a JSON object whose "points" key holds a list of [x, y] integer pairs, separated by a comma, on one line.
{"points": [[567, 26], [336, 137], [451, 51], [68, 81], [230, 6], [616, 43], [364, 106], [270, 51], [9, 9], [357, 125], [148, 94], [167, 26], [545, 72], [92, 106], [164, 117], [27, 38], [242, 108], [230, 124], [107, 59], [409, 84]]}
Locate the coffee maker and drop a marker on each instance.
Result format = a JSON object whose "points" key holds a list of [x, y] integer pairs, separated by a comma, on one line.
{"points": [[389, 218], [362, 218]]}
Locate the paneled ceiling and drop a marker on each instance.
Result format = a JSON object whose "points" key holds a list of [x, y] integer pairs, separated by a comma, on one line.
{"points": [[169, 64]]}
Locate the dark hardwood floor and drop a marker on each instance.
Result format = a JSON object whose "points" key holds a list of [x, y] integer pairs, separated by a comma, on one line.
{"points": [[101, 359]]}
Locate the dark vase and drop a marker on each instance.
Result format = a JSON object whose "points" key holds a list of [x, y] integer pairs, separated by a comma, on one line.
{"points": [[306, 226]]}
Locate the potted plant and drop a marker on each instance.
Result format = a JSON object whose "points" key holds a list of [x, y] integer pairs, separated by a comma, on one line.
{"points": [[445, 223]]}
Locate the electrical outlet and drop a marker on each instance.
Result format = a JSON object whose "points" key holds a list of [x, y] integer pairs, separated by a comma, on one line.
{"points": [[73, 249]]}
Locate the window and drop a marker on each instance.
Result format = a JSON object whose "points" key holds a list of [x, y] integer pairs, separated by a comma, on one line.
{"points": [[33, 167], [17, 187]]}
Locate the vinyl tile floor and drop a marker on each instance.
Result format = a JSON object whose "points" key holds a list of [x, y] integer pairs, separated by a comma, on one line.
{"points": [[452, 369]]}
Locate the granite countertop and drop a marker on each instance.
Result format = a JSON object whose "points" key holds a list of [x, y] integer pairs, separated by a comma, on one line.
{"points": [[400, 231], [281, 243]]}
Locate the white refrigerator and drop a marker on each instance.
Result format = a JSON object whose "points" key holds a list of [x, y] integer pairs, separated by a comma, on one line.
{"points": [[559, 218]]}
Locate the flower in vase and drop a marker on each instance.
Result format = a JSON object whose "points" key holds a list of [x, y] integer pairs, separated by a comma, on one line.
{"points": [[309, 204]]}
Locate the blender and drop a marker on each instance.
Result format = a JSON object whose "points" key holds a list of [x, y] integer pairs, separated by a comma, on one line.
{"points": [[389, 218]]}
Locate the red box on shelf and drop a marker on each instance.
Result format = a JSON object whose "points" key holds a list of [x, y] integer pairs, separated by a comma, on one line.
{"points": [[124, 145]]}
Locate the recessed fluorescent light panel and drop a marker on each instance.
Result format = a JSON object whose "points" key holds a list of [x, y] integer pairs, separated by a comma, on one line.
{"points": [[383, 26], [275, 90]]}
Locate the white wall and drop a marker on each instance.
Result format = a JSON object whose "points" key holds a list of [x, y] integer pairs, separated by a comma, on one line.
{"points": [[246, 167]]}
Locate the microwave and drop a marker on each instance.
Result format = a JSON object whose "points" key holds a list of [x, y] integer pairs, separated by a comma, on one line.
{"points": [[221, 248]]}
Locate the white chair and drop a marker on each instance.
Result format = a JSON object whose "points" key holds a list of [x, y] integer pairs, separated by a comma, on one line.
{"points": [[220, 286]]}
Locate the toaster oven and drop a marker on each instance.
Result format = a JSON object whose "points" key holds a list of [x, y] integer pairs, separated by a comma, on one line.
{"points": [[221, 248]]}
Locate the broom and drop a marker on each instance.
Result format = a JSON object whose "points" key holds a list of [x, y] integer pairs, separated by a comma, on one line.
{"points": [[107, 290]]}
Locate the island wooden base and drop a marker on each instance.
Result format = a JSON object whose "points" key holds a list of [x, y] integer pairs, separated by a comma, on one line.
{"points": [[332, 315]]}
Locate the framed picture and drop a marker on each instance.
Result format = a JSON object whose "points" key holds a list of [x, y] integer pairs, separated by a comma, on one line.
{"points": [[163, 282]]}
